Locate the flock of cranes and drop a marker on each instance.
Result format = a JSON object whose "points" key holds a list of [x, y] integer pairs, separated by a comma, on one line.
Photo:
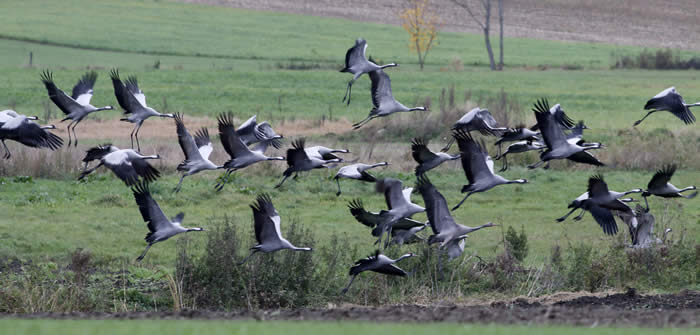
{"points": [[555, 136]]}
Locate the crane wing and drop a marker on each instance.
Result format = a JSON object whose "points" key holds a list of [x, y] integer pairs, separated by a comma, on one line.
{"points": [[297, 153], [132, 85], [597, 186], [203, 142], [391, 269], [65, 103], [266, 219], [381, 88], [435, 205], [125, 98], [187, 143], [420, 151], [662, 177], [82, 91], [31, 134], [605, 219], [361, 215], [393, 193], [150, 211], [473, 157], [229, 138], [551, 131]]}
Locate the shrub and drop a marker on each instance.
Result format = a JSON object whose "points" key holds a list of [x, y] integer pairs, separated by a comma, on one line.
{"points": [[517, 244], [662, 59]]}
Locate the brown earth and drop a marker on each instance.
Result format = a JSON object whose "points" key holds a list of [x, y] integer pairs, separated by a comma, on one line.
{"points": [[653, 23], [620, 309]]}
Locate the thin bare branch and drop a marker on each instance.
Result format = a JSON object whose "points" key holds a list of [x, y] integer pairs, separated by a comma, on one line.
{"points": [[465, 5]]}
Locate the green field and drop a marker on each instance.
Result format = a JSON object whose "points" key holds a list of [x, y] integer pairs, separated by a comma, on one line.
{"points": [[55, 327], [52, 217], [239, 52], [215, 59]]}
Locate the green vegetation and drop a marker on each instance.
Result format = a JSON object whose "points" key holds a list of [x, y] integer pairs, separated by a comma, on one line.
{"points": [[250, 52], [45, 218], [249, 62], [180, 327]]}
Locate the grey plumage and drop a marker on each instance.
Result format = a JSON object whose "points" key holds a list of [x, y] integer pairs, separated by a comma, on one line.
{"points": [[127, 164], [267, 228], [669, 100], [133, 101], [298, 160], [356, 171], [76, 106], [356, 63], [558, 147], [398, 201], [383, 100], [478, 167], [477, 119], [377, 263], [241, 155], [23, 129], [402, 231], [427, 159], [660, 186], [251, 132], [196, 150], [445, 230], [159, 226]]}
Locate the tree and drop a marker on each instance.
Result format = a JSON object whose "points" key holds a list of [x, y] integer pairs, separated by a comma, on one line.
{"points": [[422, 24], [486, 27]]}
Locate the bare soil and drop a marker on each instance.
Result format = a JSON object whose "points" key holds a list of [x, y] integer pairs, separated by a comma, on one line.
{"points": [[619, 309], [653, 23]]}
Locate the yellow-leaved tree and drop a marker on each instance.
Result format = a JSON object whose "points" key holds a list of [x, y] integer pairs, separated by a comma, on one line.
{"points": [[422, 24]]}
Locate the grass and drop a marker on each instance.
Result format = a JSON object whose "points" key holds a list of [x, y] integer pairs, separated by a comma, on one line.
{"points": [[184, 327], [49, 218], [183, 29], [215, 59]]}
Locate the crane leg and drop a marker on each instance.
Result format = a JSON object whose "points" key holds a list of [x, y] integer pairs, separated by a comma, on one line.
{"points": [[580, 216], [220, 186], [140, 258], [448, 145], [567, 215], [7, 154], [647, 203], [75, 136], [68, 131], [337, 180], [179, 185], [636, 123], [132, 136], [388, 238], [136, 135], [362, 123], [249, 256], [282, 182], [345, 290], [348, 91], [505, 164], [463, 200], [89, 171], [534, 166]]}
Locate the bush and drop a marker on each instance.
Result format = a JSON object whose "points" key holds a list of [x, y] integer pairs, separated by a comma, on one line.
{"points": [[659, 60], [517, 244]]}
